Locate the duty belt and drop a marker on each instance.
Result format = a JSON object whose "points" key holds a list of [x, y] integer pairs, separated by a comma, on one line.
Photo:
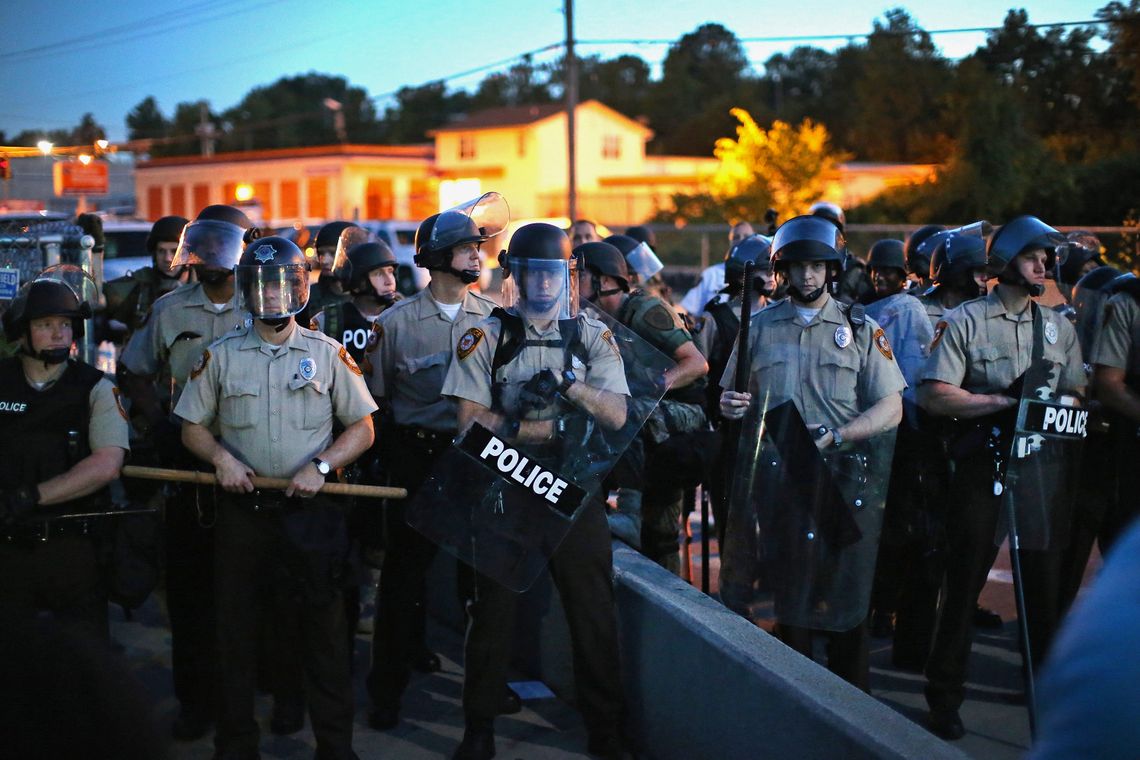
{"points": [[45, 530], [423, 438]]}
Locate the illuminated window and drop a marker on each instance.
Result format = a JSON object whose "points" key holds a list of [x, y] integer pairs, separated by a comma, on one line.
{"points": [[318, 206], [290, 199], [611, 146], [466, 146], [201, 199]]}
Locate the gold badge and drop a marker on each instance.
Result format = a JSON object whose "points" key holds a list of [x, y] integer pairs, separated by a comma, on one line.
{"points": [[883, 344], [468, 341], [939, 329], [200, 365], [119, 401], [346, 357]]}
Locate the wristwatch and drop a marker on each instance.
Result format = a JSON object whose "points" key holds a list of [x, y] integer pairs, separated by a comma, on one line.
{"points": [[323, 467], [836, 438], [568, 379]]}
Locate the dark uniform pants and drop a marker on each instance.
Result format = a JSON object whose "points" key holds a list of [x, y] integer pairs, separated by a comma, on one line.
{"points": [[60, 575], [971, 526], [400, 602], [582, 569], [286, 559], [190, 596], [848, 652]]}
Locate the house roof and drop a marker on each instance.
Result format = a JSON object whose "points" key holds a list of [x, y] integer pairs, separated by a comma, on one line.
{"points": [[414, 152], [518, 116]]}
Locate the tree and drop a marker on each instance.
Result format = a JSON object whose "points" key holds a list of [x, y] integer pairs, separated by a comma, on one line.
{"points": [[622, 83], [522, 84], [146, 121], [88, 131], [419, 109]]}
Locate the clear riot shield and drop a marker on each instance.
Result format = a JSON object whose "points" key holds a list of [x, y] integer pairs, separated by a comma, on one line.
{"points": [[812, 518], [472, 222], [504, 508], [1038, 489]]}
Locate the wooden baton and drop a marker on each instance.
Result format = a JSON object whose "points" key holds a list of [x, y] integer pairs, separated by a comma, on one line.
{"points": [[278, 484]]}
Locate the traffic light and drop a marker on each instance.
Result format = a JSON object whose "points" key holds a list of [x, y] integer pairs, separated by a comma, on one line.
{"points": [[5, 168]]}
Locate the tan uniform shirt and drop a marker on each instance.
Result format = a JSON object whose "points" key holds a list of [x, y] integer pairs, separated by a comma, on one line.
{"points": [[831, 371], [470, 374], [981, 347], [1118, 342], [415, 346], [108, 425], [182, 323], [275, 409]]}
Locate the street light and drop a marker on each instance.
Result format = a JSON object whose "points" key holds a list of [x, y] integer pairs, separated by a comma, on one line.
{"points": [[45, 147], [84, 159], [102, 144]]}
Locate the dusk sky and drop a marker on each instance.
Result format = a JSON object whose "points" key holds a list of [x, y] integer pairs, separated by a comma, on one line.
{"points": [[60, 59]]}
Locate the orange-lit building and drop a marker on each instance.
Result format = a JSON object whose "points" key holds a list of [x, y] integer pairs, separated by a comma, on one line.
{"points": [[519, 151]]}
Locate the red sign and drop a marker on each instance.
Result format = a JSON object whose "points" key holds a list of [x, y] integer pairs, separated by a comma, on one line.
{"points": [[75, 178]]}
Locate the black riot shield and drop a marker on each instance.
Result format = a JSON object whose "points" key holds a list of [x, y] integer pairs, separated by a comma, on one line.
{"points": [[813, 518], [1038, 489], [504, 508]]}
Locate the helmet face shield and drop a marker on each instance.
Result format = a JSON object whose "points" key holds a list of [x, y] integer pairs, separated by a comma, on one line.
{"points": [[644, 261], [808, 238], [349, 238], [78, 281], [472, 222], [271, 292], [210, 243], [542, 288]]}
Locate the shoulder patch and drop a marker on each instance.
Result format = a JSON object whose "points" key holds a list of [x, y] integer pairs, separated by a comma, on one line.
{"points": [[200, 365], [939, 331], [883, 344], [608, 337], [349, 362], [119, 401], [374, 336], [314, 325], [468, 342], [659, 318]]}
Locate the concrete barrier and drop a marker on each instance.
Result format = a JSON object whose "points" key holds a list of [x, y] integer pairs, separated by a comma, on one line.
{"points": [[702, 682]]}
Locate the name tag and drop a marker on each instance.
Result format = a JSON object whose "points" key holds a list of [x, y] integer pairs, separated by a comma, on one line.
{"points": [[516, 467]]}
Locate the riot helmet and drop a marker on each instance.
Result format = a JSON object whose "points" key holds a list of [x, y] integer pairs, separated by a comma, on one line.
{"points": [[809, 238], [917, 259], [887, 254], [642, 234], [755, 249], [167, 230], [830, 211], [45, 297], [272, 280], [953, 260], [349, 237], [214, 241], [540, 275], [365, 258], [1079, 250], [640, 257], [600, 259], [1019, 235], [470, 223]]}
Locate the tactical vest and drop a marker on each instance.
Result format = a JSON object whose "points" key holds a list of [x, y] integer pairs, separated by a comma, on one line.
{"points": [[346, 325], [512, 340], [631, 311], [44, 433], [726, 316]]}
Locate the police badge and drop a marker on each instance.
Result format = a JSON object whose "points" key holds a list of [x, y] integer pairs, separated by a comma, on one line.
{"points": [[1050, 332], [843, 336], [265, 253], [307, 369]]}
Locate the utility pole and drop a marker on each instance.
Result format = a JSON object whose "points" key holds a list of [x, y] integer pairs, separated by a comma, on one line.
{"points": [[205, 129], [571, 108]]}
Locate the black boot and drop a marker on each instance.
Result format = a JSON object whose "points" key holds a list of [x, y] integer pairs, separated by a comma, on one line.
{"points": [[478, 741]]}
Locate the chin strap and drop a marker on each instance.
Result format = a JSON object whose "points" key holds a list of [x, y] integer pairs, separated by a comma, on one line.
{"points": [[797, 295], [277, 323]]}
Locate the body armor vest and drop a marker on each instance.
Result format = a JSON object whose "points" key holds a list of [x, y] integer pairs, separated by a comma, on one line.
{"points": [[346, 325]]}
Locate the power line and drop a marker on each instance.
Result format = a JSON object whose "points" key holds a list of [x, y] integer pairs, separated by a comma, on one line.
{"points": [[476, 70]]}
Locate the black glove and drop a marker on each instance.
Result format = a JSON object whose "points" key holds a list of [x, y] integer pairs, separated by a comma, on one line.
{"points": [[16, 503], [539, 391]]}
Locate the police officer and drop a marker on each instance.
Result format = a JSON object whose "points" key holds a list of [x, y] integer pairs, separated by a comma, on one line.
{"points": [[957, 272], [129, 297], [414, 349], [328, 289], [979, 350], [272, 391], [583, 231], [837, 367], [541, 294], [369, 276], [712, 277], [63, 437], [155, 367], [681, 411], [918, 258]]}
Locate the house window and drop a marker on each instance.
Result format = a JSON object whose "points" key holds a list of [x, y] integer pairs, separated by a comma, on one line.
{"points": [[611, 146], [466, 146]]}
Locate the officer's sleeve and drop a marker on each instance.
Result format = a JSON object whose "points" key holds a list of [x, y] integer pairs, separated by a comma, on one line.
{"points": [[948, 355], [469, 376], [607, 371], [351, 400], [382, 357], [1114, 340], [881, 375], [1073, 375], [199, 400], [108, 426], [141, 356]]}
